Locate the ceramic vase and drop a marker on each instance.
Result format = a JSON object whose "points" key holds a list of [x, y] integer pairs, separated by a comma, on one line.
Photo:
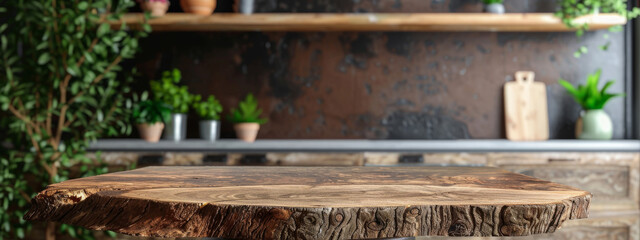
{"points": [[247, 131], [200, 7], [594, 125], [151, 132], [496, 8]]}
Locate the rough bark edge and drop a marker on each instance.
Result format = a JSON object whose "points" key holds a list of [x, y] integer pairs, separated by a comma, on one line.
{"points": [[143, 217]]}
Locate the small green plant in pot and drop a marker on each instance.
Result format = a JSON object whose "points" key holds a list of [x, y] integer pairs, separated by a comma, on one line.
{"points": [[178, 97], [209, 112], [149, 117], [246, 119], [493, 6], [594, 122]]}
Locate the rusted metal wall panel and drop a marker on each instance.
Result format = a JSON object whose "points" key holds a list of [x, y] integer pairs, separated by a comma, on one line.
{"points": [[384, 84]]}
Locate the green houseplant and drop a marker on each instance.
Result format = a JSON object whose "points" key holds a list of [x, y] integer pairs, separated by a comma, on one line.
{"points": [[178, 97], [246, 119], [594, 122], [209, 112], [569, 10], [493, 6], [149, 117], [61, 87]]}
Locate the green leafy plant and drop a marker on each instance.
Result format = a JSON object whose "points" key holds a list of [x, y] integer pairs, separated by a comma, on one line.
{"points": [[151, 112], [61, 87], [588, 96], [571, 9], [208, 110], [247, 112], [487, 2], [167, 91]]}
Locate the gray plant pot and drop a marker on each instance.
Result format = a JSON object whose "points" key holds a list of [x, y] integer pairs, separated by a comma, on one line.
{"points": [[496, 8], [244, 6], [210, 130], [176, 129]]}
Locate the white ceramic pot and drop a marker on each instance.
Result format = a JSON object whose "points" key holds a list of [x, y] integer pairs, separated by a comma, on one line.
{"points": [[594, 125], [496, 8]]}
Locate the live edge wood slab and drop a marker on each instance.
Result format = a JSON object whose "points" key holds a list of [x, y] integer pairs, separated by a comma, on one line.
{"points": [[312, 203]]}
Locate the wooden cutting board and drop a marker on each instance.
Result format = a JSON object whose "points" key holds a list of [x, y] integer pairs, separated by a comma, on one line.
{"points": [[525, 107]]}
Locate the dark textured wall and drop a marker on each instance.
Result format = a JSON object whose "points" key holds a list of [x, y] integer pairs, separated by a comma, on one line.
{"points": [[383, 84]]}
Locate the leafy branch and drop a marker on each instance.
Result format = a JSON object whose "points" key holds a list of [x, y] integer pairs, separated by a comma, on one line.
{"points": [[571, 9], [61, 87]]}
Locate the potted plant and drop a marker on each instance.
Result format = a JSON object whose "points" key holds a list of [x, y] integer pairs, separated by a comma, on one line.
{"points": [[62, 86], [178, 97], [246, 119], [149, 117], [209, 112], [200, 7], [594, 122], [493, 6], [157, 8]]}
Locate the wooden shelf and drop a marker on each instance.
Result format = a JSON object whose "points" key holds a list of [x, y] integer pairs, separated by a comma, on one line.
{"points": [[513, 22], [420, 146]]}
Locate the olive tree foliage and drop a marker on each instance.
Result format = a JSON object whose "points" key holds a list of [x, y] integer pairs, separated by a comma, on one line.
{"points": [[59, 89]]}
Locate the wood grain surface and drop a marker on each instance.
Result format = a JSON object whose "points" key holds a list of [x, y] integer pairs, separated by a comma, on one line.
{"points": [[520, 22], [312, 203]]}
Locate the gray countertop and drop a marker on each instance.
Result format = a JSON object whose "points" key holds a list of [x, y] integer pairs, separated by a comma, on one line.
{"points": [[262, 146]]}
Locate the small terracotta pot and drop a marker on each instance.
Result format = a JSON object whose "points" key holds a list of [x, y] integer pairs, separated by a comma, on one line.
{"points": [[157, 8], [200, 7], [247, 131], [151, 132]]}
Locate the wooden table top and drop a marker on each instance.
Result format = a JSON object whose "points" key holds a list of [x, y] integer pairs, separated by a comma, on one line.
{"points": [[312, 202]]}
